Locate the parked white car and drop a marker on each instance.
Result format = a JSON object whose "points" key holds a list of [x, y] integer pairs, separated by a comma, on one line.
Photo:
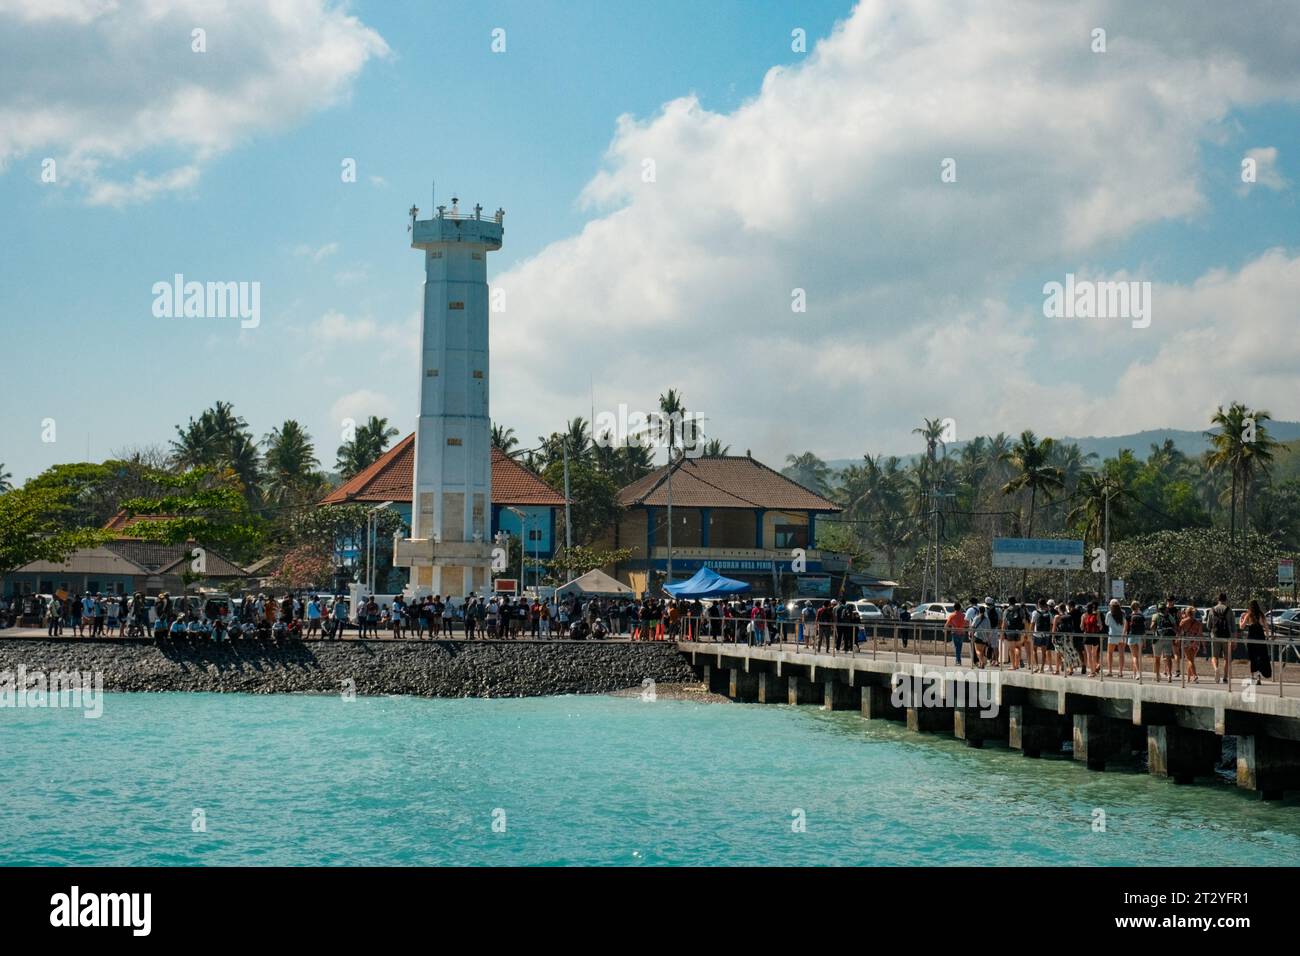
{"points": [[932, 611], [868, 612]]}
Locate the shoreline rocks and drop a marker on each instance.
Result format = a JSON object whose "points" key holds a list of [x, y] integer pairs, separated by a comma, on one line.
{"points": [[522, 668]]}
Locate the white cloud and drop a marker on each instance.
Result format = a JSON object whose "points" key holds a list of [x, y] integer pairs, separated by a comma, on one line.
{"points": [[359, 405], [828, 180], [316, 253], [117, 94], [141, 188], [335, 328]]}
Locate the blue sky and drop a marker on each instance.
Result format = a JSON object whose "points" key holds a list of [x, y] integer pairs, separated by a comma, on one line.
{"points": [[776, 170]]}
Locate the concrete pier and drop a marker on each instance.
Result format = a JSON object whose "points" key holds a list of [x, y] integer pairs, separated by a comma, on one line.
{"points": [[930, 720], [1181, 729], [743, 685], [717, 679], [1181, 754], [773, 689], [1267, 765], [878, 704], [840, 696], [1035, 732], [970, 725], [804, 691]]}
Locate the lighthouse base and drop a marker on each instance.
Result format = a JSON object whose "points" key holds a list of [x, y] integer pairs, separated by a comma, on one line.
{"points": [[451, 569]]}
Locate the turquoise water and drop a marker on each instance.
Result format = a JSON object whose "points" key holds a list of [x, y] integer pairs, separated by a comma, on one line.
{"points": [[579, 780]]}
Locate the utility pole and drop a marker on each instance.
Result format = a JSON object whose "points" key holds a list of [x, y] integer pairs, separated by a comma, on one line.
{"points": [[568, 520], [1105, 548], [938, 595], [670, 510]]}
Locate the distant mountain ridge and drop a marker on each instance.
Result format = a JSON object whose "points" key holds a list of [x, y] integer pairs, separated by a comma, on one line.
{"points": [[1190, 443]]}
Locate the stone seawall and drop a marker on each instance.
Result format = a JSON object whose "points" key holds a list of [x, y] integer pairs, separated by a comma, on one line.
{"points": [[418, 668]]}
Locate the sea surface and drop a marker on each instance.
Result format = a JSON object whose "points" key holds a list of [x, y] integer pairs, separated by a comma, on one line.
{"points": [[181, 779]]}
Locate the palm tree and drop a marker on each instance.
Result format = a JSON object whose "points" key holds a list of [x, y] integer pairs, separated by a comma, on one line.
{"points": [[808, 470], [1211, 485], [1031, 469], [1167, 461], [367, 444], [290, 464], [875, 496], [932, 431], [575, 437], [1090, 497], [5, 483], [504, 439], [219, 439], [1072, 462], [674, 410], [713, 448], [1243, 449]]}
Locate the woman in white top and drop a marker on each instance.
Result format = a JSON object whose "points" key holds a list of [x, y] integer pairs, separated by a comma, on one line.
{"points": [[1115, 640]]}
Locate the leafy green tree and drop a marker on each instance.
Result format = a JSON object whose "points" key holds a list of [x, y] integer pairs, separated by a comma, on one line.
{"points": [[1194, 564], [595, 497], [93, 493], [578, 560], [31, 528], [203, 506], [5, 483]]}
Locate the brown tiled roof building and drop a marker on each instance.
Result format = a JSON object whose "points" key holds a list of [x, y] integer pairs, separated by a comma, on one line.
{"points": [[391, 476]]}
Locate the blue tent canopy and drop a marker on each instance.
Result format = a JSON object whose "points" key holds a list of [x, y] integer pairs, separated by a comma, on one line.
{"points": [[706, 583]]}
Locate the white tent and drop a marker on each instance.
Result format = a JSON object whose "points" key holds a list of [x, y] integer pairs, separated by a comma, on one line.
{"points": [[595, 583]]}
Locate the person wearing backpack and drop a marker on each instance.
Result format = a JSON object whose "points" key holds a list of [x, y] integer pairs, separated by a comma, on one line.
{"points": [[1041, 655], [1220, 626], [1013, 633], [1166, 628], [995, 621]]}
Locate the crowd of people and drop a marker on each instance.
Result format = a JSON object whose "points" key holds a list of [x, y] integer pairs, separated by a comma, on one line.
{"points": [[1067, 637]]}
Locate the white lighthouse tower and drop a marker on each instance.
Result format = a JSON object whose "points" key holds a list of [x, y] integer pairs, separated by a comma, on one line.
{"points": [[450, 548]]}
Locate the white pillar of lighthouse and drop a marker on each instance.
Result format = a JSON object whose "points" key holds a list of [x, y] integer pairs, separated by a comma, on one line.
{"points": [[450, 548]]}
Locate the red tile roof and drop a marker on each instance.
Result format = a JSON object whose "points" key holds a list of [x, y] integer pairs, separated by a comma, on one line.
{"points": [[389, 478], [121, 521], [724, 481]]}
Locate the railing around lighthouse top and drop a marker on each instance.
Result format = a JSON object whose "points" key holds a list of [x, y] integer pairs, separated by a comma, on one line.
{"points": [[455, 212]]}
